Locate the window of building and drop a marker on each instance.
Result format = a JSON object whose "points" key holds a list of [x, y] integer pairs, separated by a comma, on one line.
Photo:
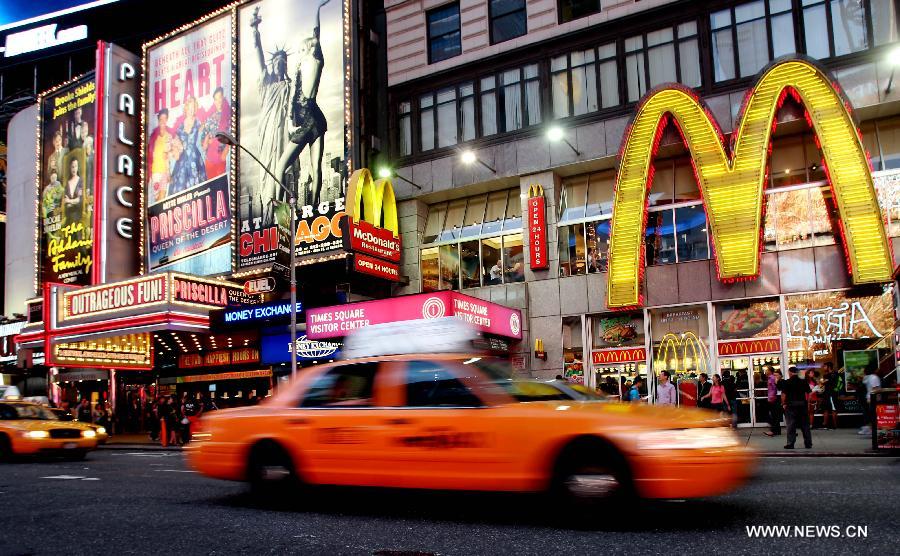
{"points": [[577, 77], [838, 27], [447, 116], [488, 106], [508, 19], [583, 246], [884, 21], [747, 36], [655, 58], [404, 125], [570, 10], [573, 349], [479, 242], [444, 37], [521, 98]]}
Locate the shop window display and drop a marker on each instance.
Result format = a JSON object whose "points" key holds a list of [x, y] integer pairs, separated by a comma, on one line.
{"points": [[573, 350], [679, 340]]}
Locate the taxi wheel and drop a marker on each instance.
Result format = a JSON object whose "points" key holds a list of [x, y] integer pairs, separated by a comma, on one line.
{"points": [[592, 473], [270, 470]]}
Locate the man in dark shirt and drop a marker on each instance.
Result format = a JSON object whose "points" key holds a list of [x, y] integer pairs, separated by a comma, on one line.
{"points": [[702, 390], [793, 398]]}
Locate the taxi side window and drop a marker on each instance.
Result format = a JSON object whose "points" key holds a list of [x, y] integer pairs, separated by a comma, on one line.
{"points": [[7, 413], [344, 386], [428, 384]]}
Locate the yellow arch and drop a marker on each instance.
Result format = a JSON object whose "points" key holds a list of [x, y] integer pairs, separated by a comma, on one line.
{"points": [[372, 201], [732, 183]]}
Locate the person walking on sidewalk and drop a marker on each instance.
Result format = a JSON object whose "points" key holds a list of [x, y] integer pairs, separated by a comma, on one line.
{"points": [[665, 393], [703, 391], [731, 393], [718, 399], [869, 382], [773, 396], [830, 390], [794, 391]]}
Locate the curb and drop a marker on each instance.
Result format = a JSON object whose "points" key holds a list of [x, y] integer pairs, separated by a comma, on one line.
{"points": [[140, 447], [802, 454]]}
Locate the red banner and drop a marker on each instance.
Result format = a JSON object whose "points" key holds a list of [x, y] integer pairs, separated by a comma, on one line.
{"points": [[235, 375], [537, 233], [218, 358], [362, 237], [376, 267], [619, 355], [745, 347]]}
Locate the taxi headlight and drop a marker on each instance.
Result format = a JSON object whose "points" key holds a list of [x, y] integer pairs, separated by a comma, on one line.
{"points": [[101, 430], [37, 434], [88, 434], [688, 439]]}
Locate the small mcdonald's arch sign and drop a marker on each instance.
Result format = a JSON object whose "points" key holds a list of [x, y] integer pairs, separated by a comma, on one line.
{"points": [[747, 347], [619, 355], [537, 228]]}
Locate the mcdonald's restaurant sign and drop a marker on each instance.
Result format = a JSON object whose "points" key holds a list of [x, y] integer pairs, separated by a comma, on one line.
{"points": [[370, 229], [747, 347], [732, 177], [620, 355], [537, 228]]}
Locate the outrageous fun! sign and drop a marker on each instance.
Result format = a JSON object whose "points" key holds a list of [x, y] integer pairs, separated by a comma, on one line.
{"points": [[293, 98], [188, 99], [66, 182], [732, 178]]}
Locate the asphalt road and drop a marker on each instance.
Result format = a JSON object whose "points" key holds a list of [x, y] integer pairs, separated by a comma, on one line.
{"points": [[121, 502]]}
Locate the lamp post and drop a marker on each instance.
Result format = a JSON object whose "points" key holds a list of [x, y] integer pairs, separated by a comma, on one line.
{"points": [[228, 139], [894, 61]]}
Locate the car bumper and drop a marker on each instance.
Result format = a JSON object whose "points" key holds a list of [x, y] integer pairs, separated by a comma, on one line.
{"points": [[217, 459], [692, 473], [27, 446]]}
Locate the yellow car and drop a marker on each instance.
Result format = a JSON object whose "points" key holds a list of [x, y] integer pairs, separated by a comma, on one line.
{"points": [[31, 429], [63, 415]]}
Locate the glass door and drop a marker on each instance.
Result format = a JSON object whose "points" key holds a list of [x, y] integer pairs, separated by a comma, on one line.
{"points": [[761, 386], [616, 380], [737, 369]]}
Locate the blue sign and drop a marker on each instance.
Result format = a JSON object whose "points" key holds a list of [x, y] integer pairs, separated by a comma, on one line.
{"points": [[279, 310], [276, 349]]}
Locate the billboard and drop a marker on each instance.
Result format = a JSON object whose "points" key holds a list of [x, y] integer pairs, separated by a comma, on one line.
{"points": [[66, 182], [292, 92], [188, 99], [732, 177]]}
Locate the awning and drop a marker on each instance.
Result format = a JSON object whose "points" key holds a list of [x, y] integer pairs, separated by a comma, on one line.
{"points": [[487, 317]]}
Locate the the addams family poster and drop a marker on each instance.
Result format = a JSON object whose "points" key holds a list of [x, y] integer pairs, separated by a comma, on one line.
{"points": [[292, 118], [66, 182], [188, 100]]}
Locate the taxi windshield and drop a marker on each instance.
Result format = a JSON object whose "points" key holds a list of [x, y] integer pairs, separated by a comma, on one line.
{"points": [[530, 391], [25, 411]]}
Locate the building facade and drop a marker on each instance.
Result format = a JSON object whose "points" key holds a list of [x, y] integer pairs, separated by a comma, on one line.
{"points": [[489, 98]]}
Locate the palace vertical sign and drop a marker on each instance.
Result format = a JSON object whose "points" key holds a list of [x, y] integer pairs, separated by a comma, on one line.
{"points": [[118, 121], [537, 228]]}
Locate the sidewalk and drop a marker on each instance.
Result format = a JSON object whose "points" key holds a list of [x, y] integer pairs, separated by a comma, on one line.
{"points": [[840, 442], [135, 442]]}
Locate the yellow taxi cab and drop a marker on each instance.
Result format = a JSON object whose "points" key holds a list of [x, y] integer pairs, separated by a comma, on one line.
{"points": [[63, 415], [31, 429], [455, 421]]}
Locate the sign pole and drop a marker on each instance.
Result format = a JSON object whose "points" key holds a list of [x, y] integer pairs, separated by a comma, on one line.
{"points": [[293, 285]]}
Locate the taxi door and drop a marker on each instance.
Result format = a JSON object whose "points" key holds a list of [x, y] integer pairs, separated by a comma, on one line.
{"points": [[338, 419], [441, 433]]}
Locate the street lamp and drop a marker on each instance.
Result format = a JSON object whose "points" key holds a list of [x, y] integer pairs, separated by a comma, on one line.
{"points": [[384, 172], [228, 139], [555, 134], [894, 61], [468, 158]]}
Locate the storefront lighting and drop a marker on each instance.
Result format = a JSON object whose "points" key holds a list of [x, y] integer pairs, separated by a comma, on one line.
{"points": [[468, 158], [555, 134], [386, 173], [732, 177]]}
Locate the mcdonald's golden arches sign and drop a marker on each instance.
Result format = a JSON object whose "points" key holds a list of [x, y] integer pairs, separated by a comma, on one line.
{"points": [[732, 177]]}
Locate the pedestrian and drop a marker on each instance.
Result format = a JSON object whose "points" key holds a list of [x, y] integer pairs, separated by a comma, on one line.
{"points": [[794, 393], [812, 400], [718, 399], [83, 412], [703, 391], [167, 421], [193, 409], [828, 396], [634, 392], [731, 394], [870, 382], [665, 391], [101, 416], [773, 399]]}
